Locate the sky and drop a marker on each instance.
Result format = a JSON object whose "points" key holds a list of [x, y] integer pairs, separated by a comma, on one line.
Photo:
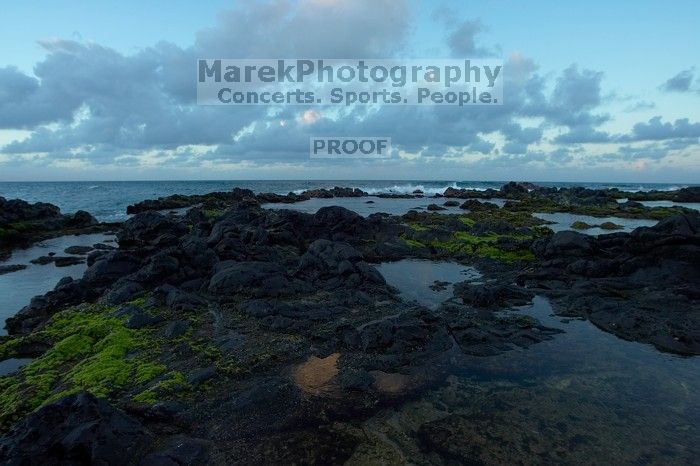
{"points": [[594, 91]]}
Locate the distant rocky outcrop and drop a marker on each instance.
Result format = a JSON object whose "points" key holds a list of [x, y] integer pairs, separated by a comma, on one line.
{"points": [[21, 222]]}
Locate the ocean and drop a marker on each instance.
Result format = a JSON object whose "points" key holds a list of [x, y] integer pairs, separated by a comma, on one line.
{"points": [[108, 200]]}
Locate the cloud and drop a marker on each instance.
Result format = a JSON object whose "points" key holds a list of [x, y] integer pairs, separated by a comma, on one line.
{"points": [[462, 40], [146, 100], [89, 105], [650, 151], [681, 82], [640, 106], [24, 103], [308, 28], [656, 130], [575, 97]]}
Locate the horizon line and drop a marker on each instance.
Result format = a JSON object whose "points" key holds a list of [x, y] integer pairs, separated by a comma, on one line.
{"points": [[345, 180]]}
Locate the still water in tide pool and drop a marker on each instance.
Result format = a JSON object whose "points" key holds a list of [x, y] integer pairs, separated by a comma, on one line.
{"points": [[18, 288], [427, 282], [561, 221], [584, 397]]}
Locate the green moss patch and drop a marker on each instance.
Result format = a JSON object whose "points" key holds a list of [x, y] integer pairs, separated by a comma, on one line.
{"points": [[173, 381], [90, 350], [485, 246], [476, 239]]}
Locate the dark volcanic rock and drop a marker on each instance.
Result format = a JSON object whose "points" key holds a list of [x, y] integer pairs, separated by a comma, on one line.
{"points": [[641, 286], [178, 201], [11, 268], [181, 451], [690, 194], [43, 260], [148, 228], [22, 223], [15, 210], [336, 264], [68, 261], [122, 292], [514, 189], [679, 228], [77, 429], [477, 206], [296, 338], [78, 250], [234, 277], [492, 295], [158, 268], [140, 319], [111, 266], [106, 269], [485, 335], [179, 300], [199, 376], [176, 329], [564, 244], [81, 219], [330, 257], [339, 223], [404, 339]]}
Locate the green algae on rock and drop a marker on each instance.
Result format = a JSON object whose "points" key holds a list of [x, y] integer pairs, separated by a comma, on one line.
{"points": [[90, 350], [505, 236]]}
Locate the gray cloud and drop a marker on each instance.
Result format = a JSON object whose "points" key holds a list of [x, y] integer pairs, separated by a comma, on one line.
{"points": [[681, 82], [146, 100], [640, 106], [110, 108], [24, 103], [656, 130], [576, 95], [462, 40], [319, 29]]}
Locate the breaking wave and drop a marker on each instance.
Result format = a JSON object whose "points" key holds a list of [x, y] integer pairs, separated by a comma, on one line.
{"points": [[407, 189]]}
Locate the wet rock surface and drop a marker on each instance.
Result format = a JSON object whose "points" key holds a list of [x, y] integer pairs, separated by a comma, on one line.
{"points": [[11, 268], [22, 223], [235, 334], [642, 286]]}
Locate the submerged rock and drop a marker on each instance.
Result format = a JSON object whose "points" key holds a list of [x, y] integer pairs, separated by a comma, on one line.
{"points": [[78, 250], [68, 261], [11, 268]]}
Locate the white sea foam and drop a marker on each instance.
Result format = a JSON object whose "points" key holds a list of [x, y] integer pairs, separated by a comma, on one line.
{"points": [[408, 188], [640, 188], [411, 188]]}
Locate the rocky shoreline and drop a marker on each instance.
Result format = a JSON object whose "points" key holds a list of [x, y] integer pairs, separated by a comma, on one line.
{"points": [[23, 223], [238, 334]]}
